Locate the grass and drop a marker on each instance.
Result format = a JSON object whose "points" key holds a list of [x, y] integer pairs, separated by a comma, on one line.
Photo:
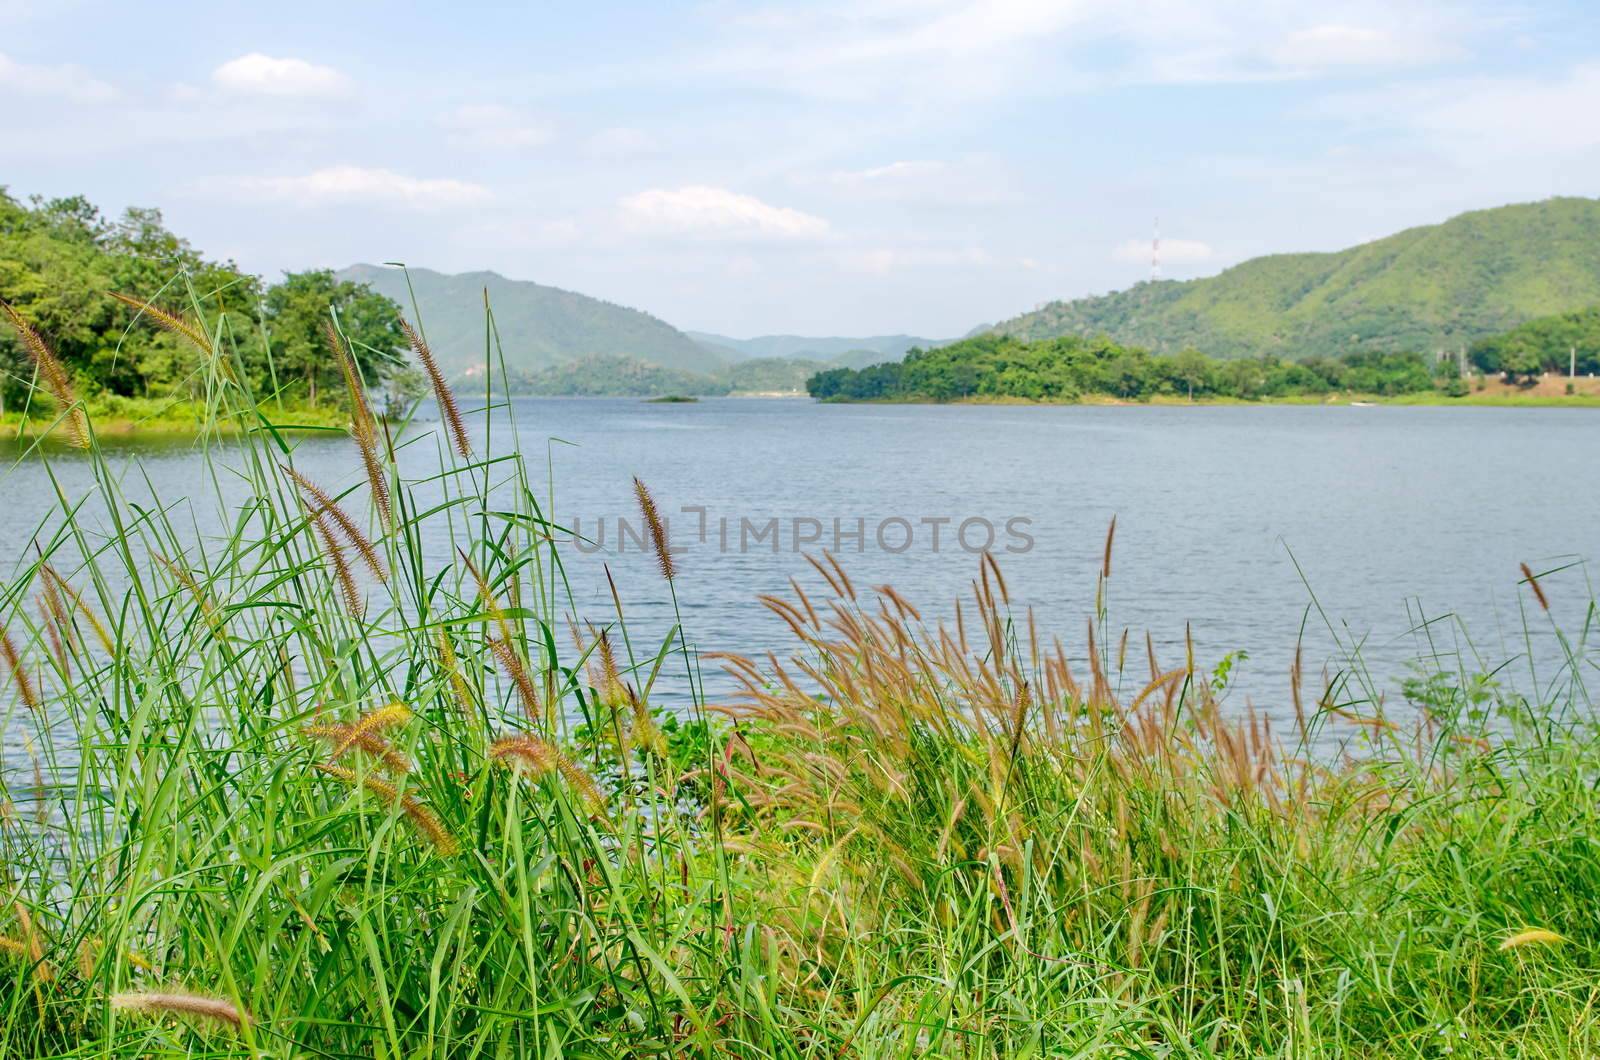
{"points": [[116, 417], [300, 790]]}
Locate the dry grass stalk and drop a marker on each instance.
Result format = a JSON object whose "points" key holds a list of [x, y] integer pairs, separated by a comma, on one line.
{"points": [[54, 374], [173, 1003], [441, 390], [657, 528], [420, 816]]}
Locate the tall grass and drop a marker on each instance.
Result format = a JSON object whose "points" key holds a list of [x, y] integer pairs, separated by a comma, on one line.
{"points": [[299, 791]]}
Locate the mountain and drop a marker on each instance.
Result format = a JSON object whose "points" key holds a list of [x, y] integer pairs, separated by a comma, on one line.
{"points": [[1435, 287], [540, 327], [884, 347]]}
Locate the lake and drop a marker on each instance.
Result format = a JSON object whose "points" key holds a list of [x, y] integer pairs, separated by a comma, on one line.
{"points": [[1393, 515]]}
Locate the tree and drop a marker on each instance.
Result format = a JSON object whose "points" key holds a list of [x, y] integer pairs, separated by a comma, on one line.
{"points": [[1193, 369], [294, 312]]}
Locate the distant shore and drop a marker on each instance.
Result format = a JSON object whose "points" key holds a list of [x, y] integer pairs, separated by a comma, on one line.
{"points": [[1545, 393], [161, 420]]}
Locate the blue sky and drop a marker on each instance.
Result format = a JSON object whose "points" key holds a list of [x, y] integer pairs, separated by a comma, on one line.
{"points": [[858, 167]]}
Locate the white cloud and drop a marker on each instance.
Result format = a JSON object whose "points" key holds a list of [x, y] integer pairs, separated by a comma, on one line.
{"points": [[889, 259], [66, 81], [1526, 121], [356, 184], [1173, 251], [622, 142], [866, 49], [1330, 45], [491, 126], [263, 75], [702, 210], [972, 181]]}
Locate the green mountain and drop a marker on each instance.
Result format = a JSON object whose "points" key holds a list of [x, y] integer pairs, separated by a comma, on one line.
{"points": [[540, 327], [882, 347], [1437, 287]]}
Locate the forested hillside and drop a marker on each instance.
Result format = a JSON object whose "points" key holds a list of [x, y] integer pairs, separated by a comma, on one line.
{"points": [[539, 326], [1432, 288]]}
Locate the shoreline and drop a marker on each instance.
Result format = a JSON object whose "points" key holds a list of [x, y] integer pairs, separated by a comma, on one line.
{"points": [[1435, 400]]}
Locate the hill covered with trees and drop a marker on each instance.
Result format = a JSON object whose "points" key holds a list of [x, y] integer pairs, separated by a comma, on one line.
{"points": [[1438, 287], [539, 326]]}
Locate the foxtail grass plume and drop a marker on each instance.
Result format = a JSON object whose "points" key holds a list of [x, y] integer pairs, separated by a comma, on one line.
{"points": [[19, 673], [54, 374], [366, 735], [1111, 537], [511, 662], [1531, 937], [334, 554], [422, 818], [537, 757], [1538, 590], [657, 528], [452, 668], [363, 425], [325, 505], [173, 1003], [170, 322], [80, 606], [441, 390]]}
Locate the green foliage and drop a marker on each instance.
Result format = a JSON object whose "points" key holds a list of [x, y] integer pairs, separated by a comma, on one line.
{"points": [[1433, 288], [1065, 369], [294, 312], [61, 260], [1544, 344]]}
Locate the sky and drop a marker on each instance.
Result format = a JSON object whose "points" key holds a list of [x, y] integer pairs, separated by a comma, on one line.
{"points": [[851, 168]]}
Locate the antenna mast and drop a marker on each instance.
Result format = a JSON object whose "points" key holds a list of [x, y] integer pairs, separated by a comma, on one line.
{"points": [[1155, 252]]}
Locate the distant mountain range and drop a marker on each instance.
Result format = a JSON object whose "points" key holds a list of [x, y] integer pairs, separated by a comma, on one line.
{"points": [[847, 352], [1436, 287], [561, 342], [1431, 288], [540, 327]]}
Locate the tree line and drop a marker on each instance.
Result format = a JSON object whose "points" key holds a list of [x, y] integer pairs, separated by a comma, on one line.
{"points": [[1072, 367], [62, 262], [1558, 344]]}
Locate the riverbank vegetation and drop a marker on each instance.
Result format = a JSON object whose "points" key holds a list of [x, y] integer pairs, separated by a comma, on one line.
{"points": [[1069, 369], [318, 786], [101, 292]]}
